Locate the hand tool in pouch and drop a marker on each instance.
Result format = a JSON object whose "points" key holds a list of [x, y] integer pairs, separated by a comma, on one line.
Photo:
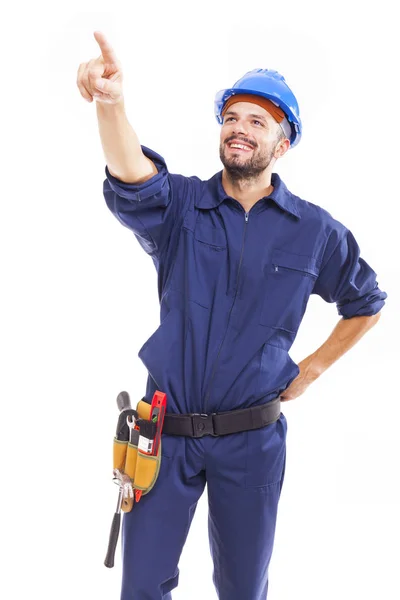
{"points": [[150, 430], [124, 482], [158, 408]]}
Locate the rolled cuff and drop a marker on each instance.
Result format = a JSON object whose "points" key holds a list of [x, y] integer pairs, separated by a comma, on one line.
{"points": [[138, 192], [366, 306]]}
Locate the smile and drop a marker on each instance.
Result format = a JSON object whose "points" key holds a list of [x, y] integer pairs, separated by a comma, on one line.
{"points": [[237, 146]]}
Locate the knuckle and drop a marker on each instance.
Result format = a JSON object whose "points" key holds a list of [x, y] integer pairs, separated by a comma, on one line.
{"points": [[79, 73], [83, 90], [84, 93]]}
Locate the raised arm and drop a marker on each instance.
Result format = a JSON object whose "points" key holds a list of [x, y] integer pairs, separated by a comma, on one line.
{"points": [[101, 79]]}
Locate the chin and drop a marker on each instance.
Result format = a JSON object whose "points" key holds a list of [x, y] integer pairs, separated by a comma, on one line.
{"points": [[234, 160]]}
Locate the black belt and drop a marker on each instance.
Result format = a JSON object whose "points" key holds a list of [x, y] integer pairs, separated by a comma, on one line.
{"points": [[197, 424]]}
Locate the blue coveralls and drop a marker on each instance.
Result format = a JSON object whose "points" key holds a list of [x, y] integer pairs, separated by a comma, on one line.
{"points": [[233, 288]]}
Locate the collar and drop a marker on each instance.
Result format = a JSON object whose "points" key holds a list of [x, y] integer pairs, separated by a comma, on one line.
{"points": [[214, 194]]}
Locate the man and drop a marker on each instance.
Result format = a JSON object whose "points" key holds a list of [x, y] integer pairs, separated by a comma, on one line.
{"points": [[237, 258]]}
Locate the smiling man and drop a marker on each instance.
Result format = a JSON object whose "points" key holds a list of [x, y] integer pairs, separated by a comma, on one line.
{"points": [[252, 139], [237, 258]]}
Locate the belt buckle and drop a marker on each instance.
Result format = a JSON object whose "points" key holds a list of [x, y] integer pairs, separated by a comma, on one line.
{"points": [[202, 424]]}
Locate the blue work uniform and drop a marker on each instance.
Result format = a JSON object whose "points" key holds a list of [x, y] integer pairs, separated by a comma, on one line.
{"points": [[233, 287]]}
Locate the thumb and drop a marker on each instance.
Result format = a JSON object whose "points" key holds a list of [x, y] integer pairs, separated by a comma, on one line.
{"points": [[101, 84], [107, 86]]}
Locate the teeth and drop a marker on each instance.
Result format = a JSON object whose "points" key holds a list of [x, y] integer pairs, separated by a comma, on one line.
{"points": [[239, 146]]}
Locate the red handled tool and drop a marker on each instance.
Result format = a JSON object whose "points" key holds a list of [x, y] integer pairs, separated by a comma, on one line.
{"points": [[150, 432], [158, 408]]}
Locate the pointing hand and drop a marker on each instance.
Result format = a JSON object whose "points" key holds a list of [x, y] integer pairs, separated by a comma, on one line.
{"points": [[101, 78]]}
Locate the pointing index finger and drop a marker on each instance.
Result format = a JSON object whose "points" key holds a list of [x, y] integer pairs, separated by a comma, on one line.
{"points": [[106, 48]]}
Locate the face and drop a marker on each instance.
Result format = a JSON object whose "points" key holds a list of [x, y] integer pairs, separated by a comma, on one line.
{"points": [[249, 139]]}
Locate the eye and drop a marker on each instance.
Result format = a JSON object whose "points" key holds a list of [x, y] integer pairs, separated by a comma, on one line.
{"points": [[258, 122], [229, 119]]}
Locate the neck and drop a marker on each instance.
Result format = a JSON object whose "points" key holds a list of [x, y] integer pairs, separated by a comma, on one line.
{"points": [[248, 192]]}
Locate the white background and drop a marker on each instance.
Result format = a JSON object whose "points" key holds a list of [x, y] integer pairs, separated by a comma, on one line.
{"points": [[79, 295]]}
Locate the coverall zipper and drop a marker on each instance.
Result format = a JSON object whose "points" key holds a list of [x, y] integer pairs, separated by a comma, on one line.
{"points": [[246, 220]]}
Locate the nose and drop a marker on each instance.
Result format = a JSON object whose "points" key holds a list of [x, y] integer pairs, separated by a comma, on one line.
{"points": [[239, 131]]}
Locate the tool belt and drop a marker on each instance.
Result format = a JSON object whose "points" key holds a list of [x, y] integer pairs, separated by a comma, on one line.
{"points": [[233, 421], [142, 469]]}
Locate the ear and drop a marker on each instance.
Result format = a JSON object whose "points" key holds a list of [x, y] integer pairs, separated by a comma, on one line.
{"points": [[281, 148]]}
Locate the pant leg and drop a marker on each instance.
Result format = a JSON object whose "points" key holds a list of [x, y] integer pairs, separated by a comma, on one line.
{"points": [[155, 531], [243, 493]]}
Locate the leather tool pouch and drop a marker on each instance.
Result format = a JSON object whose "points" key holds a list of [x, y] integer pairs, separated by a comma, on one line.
{"points": [[142, 468]]}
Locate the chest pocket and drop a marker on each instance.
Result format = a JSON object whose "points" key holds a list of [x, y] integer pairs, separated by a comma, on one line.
{"points": [[200, 261], [288, 281], [211, 236]]}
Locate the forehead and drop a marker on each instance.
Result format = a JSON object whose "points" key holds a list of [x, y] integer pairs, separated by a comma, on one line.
{"points": [[248, 108]]}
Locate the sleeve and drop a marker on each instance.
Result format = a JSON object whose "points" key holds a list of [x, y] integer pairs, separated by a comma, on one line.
{"points": [[149, 209], [345, 278]]}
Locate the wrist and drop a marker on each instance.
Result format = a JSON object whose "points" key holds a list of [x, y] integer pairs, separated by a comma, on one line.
{"points": [[108, 109], [314, 367]]}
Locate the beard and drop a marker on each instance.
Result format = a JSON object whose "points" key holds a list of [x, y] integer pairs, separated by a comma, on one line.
{"points": [[239, 168]]}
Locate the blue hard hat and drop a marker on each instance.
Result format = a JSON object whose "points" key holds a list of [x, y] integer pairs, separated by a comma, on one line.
{"points": [[271, 85]]}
